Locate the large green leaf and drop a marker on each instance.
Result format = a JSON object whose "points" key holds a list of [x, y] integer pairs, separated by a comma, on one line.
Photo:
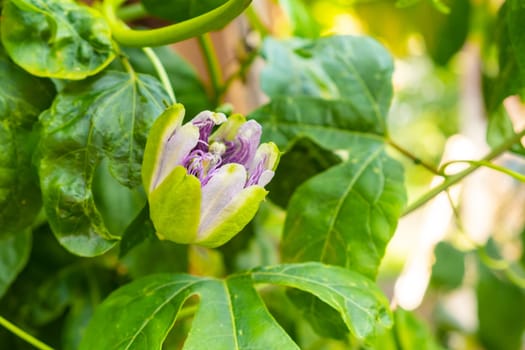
{"points": [[180, 10], [289, 176], [22, 98], [106, 117], [231, 315], [353, 70], [14, 252], [336, 92], [56, 38], [346, 215]]}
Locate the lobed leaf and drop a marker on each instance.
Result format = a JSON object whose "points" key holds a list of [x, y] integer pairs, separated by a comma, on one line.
{"points": [[231, 315], [346, 215], [105, 117], [339, 69], [56, 38]]}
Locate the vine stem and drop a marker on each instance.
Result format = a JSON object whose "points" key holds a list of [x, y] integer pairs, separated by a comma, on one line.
{"points": [[190, 28], [453, 179], [161, 72], [415, 159], [24, 335], [212, 65]]}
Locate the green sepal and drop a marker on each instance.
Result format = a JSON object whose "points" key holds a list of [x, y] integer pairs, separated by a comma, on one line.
{"points": [[175, 207], [235, 216], [161, 130]]}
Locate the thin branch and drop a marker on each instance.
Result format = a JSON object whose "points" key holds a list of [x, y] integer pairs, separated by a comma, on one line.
{"points": [[212, 65], [415, 159], [23, 335], [453, 179], [161, 72]]}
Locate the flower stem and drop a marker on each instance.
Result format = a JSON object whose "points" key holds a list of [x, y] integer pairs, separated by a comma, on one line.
{"points": [[161, 72], [212, 20], [23, 335], [212, 65], [453, 179]]}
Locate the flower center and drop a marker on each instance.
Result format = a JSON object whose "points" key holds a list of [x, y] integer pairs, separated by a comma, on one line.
{"points": [[203, 164]]}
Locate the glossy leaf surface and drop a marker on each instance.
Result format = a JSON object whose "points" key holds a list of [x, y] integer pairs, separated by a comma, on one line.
{"points": [[354, 214], [107, 117], [231, 314], [22, 98], [56, 38], [349, 212]]}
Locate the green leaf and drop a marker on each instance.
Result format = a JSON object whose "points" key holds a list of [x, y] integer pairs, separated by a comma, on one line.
{"points": [[505, 84], [336, 92], [140, 229], [22, 98], [14, 253], [346, 215], [500, 312], [289, 176], [353, 70], [187, 86], [161, 256], [357, 299], [408, 333], [56, 38], [230, 315], [333, 125], [105, 117], [447, 32], [449, 267], [20, 199], [70, 297]]}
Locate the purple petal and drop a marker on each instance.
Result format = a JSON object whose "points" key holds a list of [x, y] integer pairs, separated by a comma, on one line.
{"points": [[260, 171], [242, 149], [205, 121], [222, 187], [176, 149]]}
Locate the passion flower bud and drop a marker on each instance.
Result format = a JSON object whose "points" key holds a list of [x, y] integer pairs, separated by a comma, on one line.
{"points": [[203, 188]]}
